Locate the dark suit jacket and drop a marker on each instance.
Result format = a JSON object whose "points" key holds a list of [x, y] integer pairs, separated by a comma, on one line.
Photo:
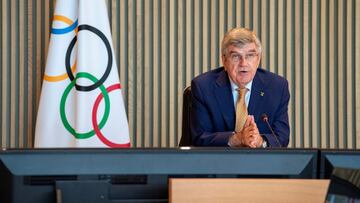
{"points": [[212, 115]]}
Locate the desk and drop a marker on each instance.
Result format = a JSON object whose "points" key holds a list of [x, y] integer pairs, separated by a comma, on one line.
{"points": [[283, 163], [247, 190], [140, 174]]}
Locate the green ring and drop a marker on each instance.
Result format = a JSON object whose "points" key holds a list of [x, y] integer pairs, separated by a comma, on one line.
{"points": [[63, 101]]}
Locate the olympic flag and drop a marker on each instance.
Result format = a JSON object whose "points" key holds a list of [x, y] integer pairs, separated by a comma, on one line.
{"points": [[81, 102]]}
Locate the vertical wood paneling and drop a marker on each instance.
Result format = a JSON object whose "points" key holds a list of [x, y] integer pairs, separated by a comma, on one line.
{"points": [[157, 48], [10, 73], [316, 64], [182, 58], [257, 18], [306, 52], [323, 71], [211, 34], [21, 77], [271, 36], [146, 72], [165, 69], [281, 35], [288, 70], [341, 71], [161, 45], [6, 125], [205, 37], [355, 71], [348, 64], [30, 48], [239, 13], [296, 70], [174, 127], [263, 33], [331, 72]]}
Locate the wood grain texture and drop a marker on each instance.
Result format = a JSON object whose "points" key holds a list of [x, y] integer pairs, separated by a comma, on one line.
{"points": [[247, 190]]}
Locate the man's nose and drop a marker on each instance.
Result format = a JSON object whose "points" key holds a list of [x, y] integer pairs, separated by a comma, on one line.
{"points": [[242, 61]]}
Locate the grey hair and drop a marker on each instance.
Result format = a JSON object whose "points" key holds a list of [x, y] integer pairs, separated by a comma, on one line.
{"points": [[239, 37]]}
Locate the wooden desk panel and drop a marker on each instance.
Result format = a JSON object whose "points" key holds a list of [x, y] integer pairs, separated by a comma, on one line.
{"points": [[247, 190]]}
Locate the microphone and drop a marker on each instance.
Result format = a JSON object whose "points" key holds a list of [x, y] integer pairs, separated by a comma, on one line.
{"points": [[265, 118]]}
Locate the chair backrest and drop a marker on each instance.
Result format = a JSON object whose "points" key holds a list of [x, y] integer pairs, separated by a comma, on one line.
{"points": [[186, 139]]}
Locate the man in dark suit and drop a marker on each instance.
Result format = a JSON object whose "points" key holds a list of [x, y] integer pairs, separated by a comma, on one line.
{"points": [[218, 114]]}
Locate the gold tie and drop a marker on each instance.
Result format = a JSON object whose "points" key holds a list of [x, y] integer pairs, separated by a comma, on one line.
{"points": [[241, 110]]}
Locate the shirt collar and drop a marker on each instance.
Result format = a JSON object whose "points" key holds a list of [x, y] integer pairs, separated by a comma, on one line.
{"points": [[234, 86]]}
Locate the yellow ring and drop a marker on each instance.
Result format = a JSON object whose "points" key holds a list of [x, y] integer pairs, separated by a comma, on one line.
{"points": [[73, 68]]}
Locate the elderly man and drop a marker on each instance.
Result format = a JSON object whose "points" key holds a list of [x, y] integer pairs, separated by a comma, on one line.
{"points": [[231, 105]]}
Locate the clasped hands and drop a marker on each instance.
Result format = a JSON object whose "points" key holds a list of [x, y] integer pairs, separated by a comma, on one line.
{"points": [[249, 136]]}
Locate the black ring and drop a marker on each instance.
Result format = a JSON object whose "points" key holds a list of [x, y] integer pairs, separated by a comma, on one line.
{"points": [[68, 55]]}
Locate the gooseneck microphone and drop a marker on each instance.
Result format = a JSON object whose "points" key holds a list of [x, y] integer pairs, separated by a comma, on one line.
{"points": [[265, 118]]}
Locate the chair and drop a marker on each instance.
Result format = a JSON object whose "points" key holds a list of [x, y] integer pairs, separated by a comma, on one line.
{"points": [[186, 139]]}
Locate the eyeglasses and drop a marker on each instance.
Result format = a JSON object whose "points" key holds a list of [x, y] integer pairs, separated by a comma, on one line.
{"points": [[250, 57]]}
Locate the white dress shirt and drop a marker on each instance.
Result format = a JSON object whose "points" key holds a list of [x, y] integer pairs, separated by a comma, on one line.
{"points": [[235, 92]]}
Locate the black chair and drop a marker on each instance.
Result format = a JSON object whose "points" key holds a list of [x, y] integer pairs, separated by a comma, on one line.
{"points": [[186, 139]]}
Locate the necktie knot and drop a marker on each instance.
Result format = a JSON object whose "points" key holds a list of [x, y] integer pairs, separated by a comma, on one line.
{"points": [[242, 92]]}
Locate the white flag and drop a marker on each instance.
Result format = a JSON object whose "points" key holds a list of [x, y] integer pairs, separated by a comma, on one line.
{"points": [[81, 103]]}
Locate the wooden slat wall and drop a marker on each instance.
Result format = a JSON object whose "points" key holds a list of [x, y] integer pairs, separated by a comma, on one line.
{"points": [[161, 45]]}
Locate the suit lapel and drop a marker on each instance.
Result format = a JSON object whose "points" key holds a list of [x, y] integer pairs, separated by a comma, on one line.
{"points": [[223, 95], [257, 97]]}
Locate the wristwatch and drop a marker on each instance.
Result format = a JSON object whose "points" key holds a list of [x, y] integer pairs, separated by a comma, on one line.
{"points": [[264, 144]]}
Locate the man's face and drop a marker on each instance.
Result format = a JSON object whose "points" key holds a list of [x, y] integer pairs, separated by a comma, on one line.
{"points": [[241, 63]]}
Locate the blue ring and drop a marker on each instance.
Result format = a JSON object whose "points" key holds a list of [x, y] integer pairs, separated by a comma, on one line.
{"points": [[70, 28]]}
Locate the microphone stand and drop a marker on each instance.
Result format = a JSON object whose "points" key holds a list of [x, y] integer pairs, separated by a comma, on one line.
{"points": [[264, 117]]}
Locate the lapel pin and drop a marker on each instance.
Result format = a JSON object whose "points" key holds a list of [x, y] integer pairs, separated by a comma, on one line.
{"points": [[262, 94]]}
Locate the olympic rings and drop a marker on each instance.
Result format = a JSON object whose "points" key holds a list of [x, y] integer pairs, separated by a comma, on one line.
{"points": [[97, 83], [110, 59], [63, 101], [72, 26], [94, 120]]}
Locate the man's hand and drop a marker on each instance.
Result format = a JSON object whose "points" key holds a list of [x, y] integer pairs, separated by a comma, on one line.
{"points": [[257, 140], [249, 136], [240, 139]]}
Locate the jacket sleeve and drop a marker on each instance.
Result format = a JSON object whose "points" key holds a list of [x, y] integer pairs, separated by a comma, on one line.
{"points": [[201, 122]]}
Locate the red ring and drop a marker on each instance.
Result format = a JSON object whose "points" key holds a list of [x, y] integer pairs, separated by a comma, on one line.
{"points": [[95, 123]]}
